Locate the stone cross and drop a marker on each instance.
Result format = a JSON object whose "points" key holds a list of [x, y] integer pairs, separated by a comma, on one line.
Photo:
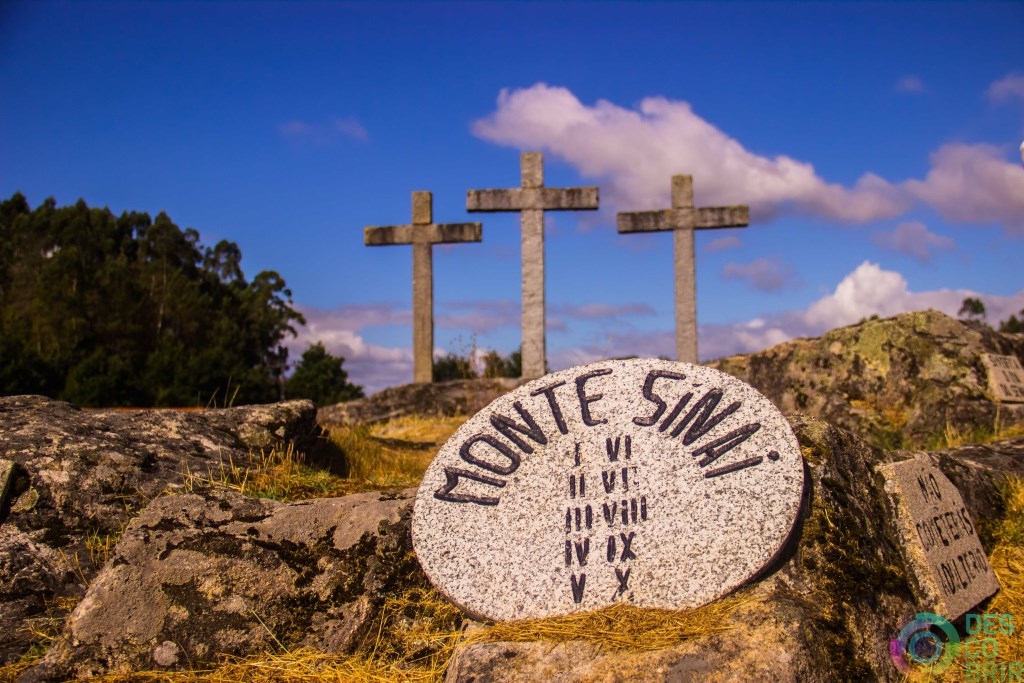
{"points": [[532, 200], [682, 219], [422, 234]]}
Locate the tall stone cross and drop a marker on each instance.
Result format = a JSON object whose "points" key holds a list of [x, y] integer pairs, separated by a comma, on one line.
{"points": [[422, 234], [682, 219], [532, 199]]}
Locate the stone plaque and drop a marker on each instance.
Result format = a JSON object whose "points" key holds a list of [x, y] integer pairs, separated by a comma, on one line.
{"points": [[940, 539], [652, 482], [1005, 377], [6, 474]]}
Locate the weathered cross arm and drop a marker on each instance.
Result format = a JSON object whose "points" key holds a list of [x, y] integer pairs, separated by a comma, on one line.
{"points": [[543, 198], [670, 219], [445, 233]]}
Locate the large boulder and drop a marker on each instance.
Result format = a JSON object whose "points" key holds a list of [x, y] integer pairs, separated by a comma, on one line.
{"points": [[200, 576], [78, 477], [440, 399], [899, 381], [823, 612]]}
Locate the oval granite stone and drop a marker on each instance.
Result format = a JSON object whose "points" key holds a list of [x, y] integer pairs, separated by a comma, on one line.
{"points": [[652, 482]]}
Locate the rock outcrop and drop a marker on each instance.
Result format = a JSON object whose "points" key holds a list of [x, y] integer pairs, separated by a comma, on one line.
{"points": [[200, 576], [457, 397], [79, 477], [899, 381]]}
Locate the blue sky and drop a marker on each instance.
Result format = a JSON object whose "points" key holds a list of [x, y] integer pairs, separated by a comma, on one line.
{"points": [[877, 145]]}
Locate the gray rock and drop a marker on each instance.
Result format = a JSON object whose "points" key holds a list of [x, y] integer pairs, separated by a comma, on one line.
{"points": [[899, 381], [81, 475], [457, 397], [196, 577]]}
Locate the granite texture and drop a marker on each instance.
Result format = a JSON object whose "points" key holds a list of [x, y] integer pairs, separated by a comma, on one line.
{"points": [[951, 573], [605, 483]]}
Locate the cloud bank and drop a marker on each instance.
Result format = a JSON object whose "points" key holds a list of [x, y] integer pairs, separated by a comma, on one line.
{"points": [[634, 152]]}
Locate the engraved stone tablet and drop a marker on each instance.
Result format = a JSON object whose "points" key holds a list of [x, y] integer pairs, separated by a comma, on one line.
{"points": [[941, 542], [652, 482], [1005, 377], [6, 474]]}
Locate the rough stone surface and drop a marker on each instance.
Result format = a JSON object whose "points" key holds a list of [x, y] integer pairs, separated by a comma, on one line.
{"points": [[422, 234], [456, 397], [1005, 377], [532, 199], [683, 219], [594, 485], [196, 577], [950, 569], [823, 611], [899, 381], [82, 475], [979, 470]]}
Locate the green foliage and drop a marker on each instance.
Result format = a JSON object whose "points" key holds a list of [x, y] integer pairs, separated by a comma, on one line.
{"points": [[320, 378], [972, 309], [491, 364], [1013, 324], [453, 366], [496, 365], [106, 310]]}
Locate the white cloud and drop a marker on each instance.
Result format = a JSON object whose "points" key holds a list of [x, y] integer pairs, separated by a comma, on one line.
{"points": [[1010, 87], [638, 151], [320, 134], [973, 183], [913, 238], [767, 275], [870, 290], [634, 152], [722, 243], [909, 84]]}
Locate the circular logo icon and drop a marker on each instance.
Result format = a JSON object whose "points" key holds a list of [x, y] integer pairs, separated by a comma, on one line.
{"points": [[920, 642]]}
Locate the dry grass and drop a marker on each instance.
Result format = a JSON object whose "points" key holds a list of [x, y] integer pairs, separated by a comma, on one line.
{"points": [[395, 454], [280, 475], [620, 627], [418, 633]]}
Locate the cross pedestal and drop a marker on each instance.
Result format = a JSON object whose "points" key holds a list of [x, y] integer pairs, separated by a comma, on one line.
{"points": [[682, 219], [422, 234], [531, 200]]}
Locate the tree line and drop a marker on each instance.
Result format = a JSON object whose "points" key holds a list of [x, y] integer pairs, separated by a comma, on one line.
{"points": [[105, 310], [973, 309]]}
